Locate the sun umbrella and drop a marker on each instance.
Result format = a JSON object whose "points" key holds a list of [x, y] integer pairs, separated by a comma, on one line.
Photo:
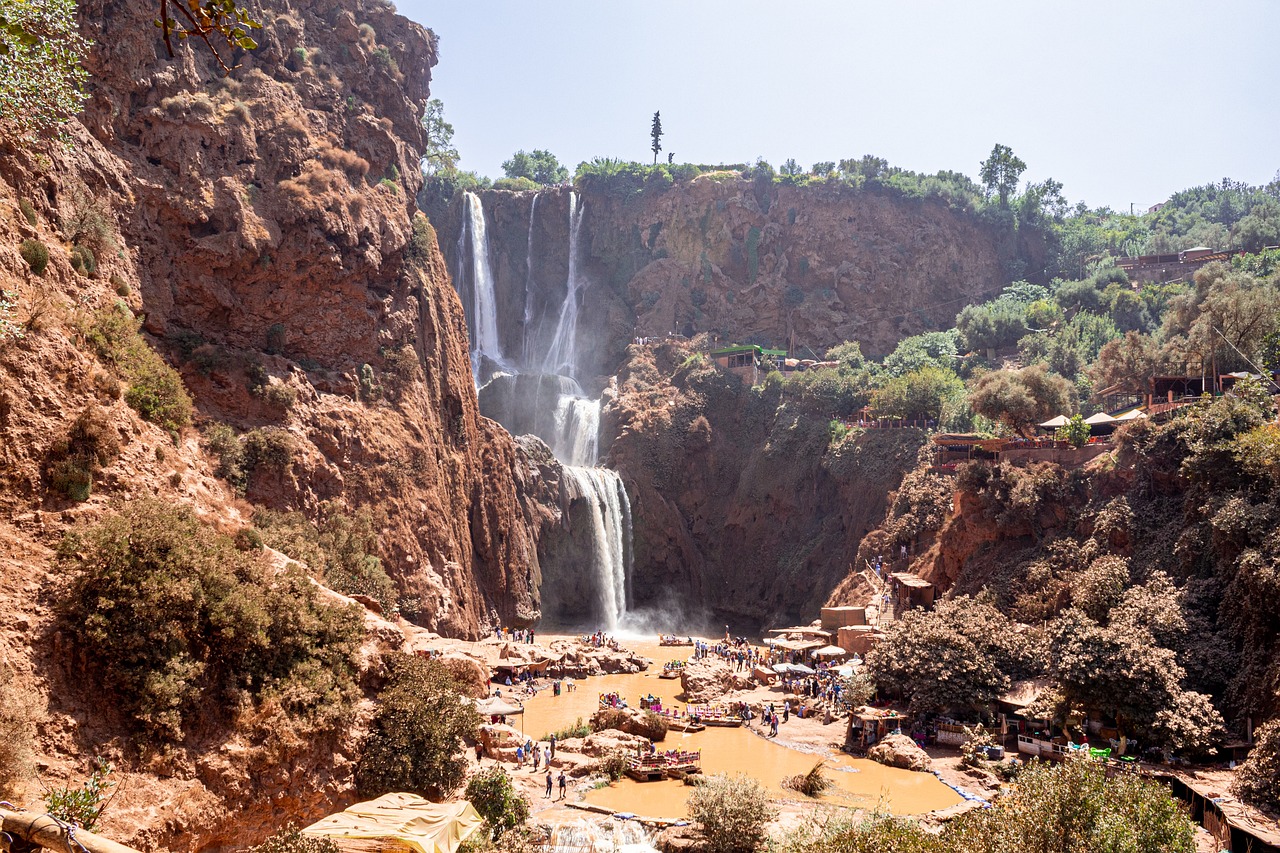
{"points": [[782, 668], [1132, 415], [801, 669], [498, 707], [1100, 418], [1054, 423], [830, 652]]}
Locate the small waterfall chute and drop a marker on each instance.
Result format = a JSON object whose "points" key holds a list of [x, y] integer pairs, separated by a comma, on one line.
{"points": [[609, 512], [562, 355], [484, 313], [528, 280]]}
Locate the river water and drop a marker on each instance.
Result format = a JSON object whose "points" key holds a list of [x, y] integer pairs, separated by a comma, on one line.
{"points": [[859, 782]]}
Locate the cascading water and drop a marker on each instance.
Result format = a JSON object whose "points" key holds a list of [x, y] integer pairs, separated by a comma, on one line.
{"points": [[562, 356], [484, 312], [572, 428], [528, 279], [610, 514], [611, 837]]}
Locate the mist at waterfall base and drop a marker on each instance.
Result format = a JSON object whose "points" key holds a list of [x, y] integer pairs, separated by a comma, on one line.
{"points": [[535, 388]]}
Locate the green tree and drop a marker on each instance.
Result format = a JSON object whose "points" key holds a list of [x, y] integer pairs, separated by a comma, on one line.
{"points": [[1258, 781], [540, 166], [1000, 172], [931, 348], [497, 801], [1075, 432], [923, 393], [959, 656], [991, 326], [438, 153], [1074, 806], [1119, 669], [41, 77], [1021, 398], [791, 168], [417, 737], [655, 133]]}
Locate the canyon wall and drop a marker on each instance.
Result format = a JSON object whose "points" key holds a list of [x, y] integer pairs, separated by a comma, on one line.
{"points": [[800, 267], [262, 228], [745, 511]]}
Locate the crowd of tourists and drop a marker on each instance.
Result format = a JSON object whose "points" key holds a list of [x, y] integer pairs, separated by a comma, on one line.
{"points": [[514, 635]]}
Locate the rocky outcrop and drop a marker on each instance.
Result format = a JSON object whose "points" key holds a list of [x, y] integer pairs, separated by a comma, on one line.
{"points": [[744, 511], [578, 661], [632, 721], [900, 751], [707, 679], [262, 226], [270, 228]]}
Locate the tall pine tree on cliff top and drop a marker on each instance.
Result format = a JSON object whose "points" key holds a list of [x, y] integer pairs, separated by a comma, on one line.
{"points": [[656, 133]]}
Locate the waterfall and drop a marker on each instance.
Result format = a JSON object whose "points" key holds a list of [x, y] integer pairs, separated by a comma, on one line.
{"points": [[528, 279], [484, 313], [610, 514], [550, 402], [602, 837], [577, 430], [562, 356]]}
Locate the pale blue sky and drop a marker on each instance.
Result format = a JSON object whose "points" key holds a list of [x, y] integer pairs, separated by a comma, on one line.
{"points": [[1121, 101]]}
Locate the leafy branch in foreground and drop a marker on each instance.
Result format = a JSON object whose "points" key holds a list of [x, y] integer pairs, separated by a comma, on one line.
{"points": [[206, 20]]}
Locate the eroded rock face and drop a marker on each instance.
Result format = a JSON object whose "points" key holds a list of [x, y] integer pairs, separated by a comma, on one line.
{"points": [[743, 510], [813, 266], [269, 215], [262, 226], [900, 751]]}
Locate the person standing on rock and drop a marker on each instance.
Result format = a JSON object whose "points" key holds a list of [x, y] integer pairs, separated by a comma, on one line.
{"points": [[786, 710], [548, 794], [519, 756], [562, 784], [553, 745]]}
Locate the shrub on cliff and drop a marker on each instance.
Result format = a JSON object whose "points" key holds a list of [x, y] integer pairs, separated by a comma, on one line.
{"points": [[90, 444], [174, 620], [340, 549], [731, 813], [290, 840], [416, 740], [36, 254], [155, 390], [19, 710]]}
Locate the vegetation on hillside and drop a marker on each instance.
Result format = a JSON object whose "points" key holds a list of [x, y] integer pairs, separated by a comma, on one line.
{"points": [[179, 626]]}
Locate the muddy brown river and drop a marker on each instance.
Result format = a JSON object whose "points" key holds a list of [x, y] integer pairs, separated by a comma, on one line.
{"points": [[859, 782]]}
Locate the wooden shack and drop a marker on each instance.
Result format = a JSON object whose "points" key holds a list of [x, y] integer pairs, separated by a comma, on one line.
{"points": [[911, 590], [835, 618]]}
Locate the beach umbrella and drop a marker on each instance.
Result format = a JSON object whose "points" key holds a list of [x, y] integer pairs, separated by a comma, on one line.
{"points": [[1132, 415], [1100, 418], [830, 652], [801, 669], [498, 707], [1054, 423]]}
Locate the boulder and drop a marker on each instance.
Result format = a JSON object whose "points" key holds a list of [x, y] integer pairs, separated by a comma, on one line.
{"points": [[900, 751], [633, 721], [708, 679]]}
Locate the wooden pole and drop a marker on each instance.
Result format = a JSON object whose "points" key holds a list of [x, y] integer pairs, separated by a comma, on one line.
{"points": [[44, 831]]}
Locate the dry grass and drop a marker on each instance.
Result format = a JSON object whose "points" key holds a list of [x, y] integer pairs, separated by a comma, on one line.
{"points": [[19, 713]]}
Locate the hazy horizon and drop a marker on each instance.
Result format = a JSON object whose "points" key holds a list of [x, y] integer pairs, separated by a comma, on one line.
{"points": [[1122, 102]]}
